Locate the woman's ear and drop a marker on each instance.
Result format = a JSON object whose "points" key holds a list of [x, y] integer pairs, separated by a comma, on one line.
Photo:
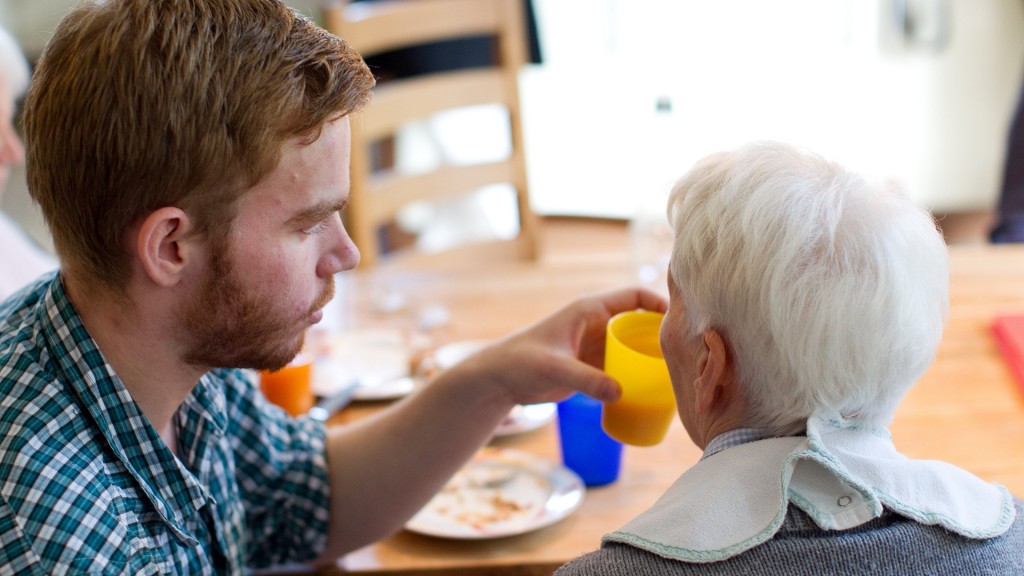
{"points": [[714, 383], [164, 245]]}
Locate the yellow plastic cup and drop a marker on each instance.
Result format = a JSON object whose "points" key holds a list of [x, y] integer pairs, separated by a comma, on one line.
{"points": [[642, 415]]}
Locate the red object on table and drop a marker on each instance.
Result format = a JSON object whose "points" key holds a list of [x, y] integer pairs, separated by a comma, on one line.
{"points": [[1009, 331]]}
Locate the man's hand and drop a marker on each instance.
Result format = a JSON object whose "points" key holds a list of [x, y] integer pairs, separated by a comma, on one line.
{"points": [[562, 354]]}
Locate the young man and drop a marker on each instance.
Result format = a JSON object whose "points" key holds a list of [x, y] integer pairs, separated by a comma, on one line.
{"points": [[191, 160]]}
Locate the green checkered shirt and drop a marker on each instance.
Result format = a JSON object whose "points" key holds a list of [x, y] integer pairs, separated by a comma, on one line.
{"points": [[87, 485]]}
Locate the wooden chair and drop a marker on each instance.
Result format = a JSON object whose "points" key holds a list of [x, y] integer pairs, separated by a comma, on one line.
{"points": [[379, 191]]}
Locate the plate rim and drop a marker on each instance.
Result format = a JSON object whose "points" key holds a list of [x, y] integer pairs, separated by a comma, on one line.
{"points": [[558, 474], [366, 394], [518, 428]]}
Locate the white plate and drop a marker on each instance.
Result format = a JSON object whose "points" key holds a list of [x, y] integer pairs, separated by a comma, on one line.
{"points": [[500, 493], [379, 359], [526, 418], [454, 352], [386, 389]]}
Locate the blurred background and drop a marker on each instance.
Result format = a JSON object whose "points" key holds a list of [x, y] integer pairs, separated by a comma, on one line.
{"points": [[629, 93]]}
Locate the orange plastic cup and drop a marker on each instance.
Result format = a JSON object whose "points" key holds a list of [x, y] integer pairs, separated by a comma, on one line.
{"points": [[642, 415], [291, 386]]}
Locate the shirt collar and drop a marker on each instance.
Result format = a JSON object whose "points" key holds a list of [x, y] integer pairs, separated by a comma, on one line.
{"points": [[732, 438], [171, 488], [201, 417]]}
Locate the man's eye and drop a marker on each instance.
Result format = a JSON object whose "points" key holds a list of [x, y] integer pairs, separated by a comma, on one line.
{"points": [[316, 228]]}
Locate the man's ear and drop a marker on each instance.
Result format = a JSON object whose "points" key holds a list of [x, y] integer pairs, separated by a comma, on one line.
{"points": [[164, 245], [714, 381]]}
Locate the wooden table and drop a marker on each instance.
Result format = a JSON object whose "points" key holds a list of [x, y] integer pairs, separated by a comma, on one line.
{"points": [[968, 409]]}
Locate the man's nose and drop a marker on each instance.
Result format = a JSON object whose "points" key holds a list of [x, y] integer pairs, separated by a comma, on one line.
{"points": [[343, 253]]}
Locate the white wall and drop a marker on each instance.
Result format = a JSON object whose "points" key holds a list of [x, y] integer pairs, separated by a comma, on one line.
{"points": [[831, 75]]}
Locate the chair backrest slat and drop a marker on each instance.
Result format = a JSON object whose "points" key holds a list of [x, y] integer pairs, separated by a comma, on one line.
{"points": [[372, 28]]}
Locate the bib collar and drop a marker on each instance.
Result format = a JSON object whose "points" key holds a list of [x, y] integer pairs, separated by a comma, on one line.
{"points": [[842, 474]]}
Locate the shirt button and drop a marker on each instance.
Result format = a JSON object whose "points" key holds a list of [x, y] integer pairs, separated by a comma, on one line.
{"points": [[844, 501]]}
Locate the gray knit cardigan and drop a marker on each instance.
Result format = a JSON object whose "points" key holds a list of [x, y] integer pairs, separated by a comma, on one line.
{"points": [[886, 546]]}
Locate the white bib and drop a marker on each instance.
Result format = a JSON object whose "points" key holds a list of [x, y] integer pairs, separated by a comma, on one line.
{"points": [[841, 474]]}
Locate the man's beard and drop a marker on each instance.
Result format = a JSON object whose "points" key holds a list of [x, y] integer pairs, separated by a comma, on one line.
{"points": [[230, 327]]}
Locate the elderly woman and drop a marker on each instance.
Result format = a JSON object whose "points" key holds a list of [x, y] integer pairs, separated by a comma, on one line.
{"points": [[21, 260], [804, 302]]}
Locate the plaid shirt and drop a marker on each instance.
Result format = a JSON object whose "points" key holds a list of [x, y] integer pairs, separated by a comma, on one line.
{"points": [[87, 485], [732, 438]]}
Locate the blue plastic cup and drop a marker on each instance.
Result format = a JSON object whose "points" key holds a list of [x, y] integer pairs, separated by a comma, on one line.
{"points": [[586, 449]]}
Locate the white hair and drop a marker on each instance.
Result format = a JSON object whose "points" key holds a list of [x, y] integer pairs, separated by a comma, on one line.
{"points": [[14, 70], [831, 290]]}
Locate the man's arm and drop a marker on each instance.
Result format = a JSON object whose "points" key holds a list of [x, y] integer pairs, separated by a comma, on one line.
{"points": [[384, 469]]}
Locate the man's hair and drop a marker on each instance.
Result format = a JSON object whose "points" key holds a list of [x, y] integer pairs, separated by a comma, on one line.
{"points": [[831, 290], [142, 104]]}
